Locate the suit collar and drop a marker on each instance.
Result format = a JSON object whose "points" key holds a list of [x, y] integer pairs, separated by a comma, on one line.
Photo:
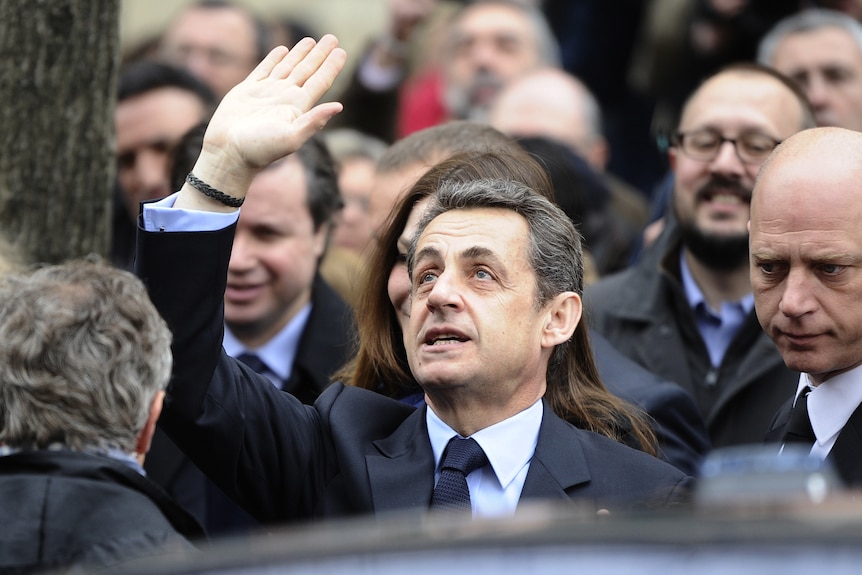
{"points": [[401, 472], [559, 462], [325, 342], [846, 454]]}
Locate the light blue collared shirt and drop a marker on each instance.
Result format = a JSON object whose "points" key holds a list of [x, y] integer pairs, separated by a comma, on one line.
{"points": [[716, 328], [496, 488], [279, 353]]}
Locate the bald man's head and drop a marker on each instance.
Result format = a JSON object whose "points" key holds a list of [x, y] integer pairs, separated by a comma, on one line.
{"points": [[553, 104], [806, 251]]}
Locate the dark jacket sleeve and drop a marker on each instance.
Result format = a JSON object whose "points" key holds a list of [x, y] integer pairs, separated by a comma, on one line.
{"points": [[261, 446], [678, 425]]}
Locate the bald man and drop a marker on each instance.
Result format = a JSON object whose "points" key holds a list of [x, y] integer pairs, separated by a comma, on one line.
{"points": [[552, 103], [806, 274]]}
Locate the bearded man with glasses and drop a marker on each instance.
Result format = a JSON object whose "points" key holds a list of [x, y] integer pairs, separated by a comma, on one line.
{"points": [[686, 310]]}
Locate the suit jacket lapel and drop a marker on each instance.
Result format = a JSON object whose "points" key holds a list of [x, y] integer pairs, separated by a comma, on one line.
{"points": [[401, 474], [846, 454], [558, 463], [779, 422]]}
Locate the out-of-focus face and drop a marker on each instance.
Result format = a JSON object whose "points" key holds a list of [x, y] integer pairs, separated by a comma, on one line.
{"points": [[355, 182], [474, 325], [713, 197], [399, 280], [217, 45], [389, 187], [806, 257], [549, 104], [148, 127], [274, 257], [852, 8], [827, 63], [490, 45]]}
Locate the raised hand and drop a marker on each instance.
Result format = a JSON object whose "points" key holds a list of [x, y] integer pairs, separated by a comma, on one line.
{"points": [[265, 117]]}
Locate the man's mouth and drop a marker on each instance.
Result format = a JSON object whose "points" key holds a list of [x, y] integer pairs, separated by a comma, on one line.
{"points": [[724, 198], [237, 292], [441, 338]]}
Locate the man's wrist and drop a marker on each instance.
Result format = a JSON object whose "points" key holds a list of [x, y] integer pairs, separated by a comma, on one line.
{"points": [[216, 169]]}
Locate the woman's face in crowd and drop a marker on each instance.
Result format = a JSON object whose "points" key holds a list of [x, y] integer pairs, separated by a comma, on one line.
{"points": [[399, 282]]}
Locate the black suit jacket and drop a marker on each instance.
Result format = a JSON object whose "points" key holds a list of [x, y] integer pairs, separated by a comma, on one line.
{"points": [[683, 440], [845, 455], [325, 345], [354, 451]]}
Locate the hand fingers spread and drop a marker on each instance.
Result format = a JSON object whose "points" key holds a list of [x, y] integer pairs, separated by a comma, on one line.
{"points": [[264, 68], [296, 55], [313, 61], [321, 80]]}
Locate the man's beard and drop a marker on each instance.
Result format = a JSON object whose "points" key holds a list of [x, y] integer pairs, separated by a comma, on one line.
{"points": [[721, 252], [464, 103]]}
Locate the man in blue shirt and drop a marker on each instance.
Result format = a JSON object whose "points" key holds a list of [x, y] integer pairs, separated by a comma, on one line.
{"points": [[685, 311], [483, 357]]}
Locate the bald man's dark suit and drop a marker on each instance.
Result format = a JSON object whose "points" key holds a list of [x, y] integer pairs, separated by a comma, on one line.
{"points": [[354, 451], [845, 455]]}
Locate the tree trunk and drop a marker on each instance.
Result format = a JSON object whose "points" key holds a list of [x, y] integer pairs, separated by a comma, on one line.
{"points": [[58, 70]]}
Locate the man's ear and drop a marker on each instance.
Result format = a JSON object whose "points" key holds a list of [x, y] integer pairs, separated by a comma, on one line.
{"points": [[145, 437], [563, 315], [598, 154]]}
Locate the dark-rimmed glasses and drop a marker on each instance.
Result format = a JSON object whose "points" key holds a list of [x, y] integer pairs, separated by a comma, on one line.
{"points": [[704, 145]]}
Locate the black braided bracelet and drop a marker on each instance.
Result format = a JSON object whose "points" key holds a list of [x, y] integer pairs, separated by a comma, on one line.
{"points": [[213, 193]]}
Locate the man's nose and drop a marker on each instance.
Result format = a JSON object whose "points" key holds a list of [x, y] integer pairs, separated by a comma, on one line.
{"points": [[797, 299], [445, 292]]}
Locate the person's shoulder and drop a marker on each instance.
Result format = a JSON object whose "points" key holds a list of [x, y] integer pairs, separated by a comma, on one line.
{"points": [[613, 286], [607, 457], [354, 407]]}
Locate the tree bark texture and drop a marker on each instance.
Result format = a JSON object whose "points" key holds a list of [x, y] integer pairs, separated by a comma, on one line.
{"points": [[58, 69]]}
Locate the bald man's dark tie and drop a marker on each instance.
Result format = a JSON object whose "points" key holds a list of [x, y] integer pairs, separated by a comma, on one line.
{"points": [[799, 431], [462, 457]]}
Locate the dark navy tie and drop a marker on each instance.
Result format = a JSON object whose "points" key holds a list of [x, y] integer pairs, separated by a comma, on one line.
{"points": [[462, 456], [799, 430], [252, 361]]}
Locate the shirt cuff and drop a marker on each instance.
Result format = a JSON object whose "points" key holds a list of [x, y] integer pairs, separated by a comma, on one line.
{"points": [[161, 216]]}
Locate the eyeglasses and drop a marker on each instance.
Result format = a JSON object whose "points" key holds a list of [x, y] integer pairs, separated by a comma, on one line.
{"points": [[704, 145]]}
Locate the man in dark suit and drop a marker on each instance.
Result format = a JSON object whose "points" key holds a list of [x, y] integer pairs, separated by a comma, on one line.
{"points": [[281, 317], [806, 249], [481, 354]]}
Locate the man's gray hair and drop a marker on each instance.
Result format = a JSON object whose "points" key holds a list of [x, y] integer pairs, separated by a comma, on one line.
{"points": [[807, 21], [555, 252], [84, 353]]}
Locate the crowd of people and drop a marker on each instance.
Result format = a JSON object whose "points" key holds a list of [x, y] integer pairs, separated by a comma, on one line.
{"points": [[438, 290]]}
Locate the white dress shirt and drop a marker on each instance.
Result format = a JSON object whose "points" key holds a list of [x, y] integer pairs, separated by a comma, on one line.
{"points": [[830, 406]]}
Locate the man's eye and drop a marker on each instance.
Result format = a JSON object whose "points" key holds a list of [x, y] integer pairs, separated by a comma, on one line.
{"points": [[483, 274], [426, 277], [831, 269]]}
